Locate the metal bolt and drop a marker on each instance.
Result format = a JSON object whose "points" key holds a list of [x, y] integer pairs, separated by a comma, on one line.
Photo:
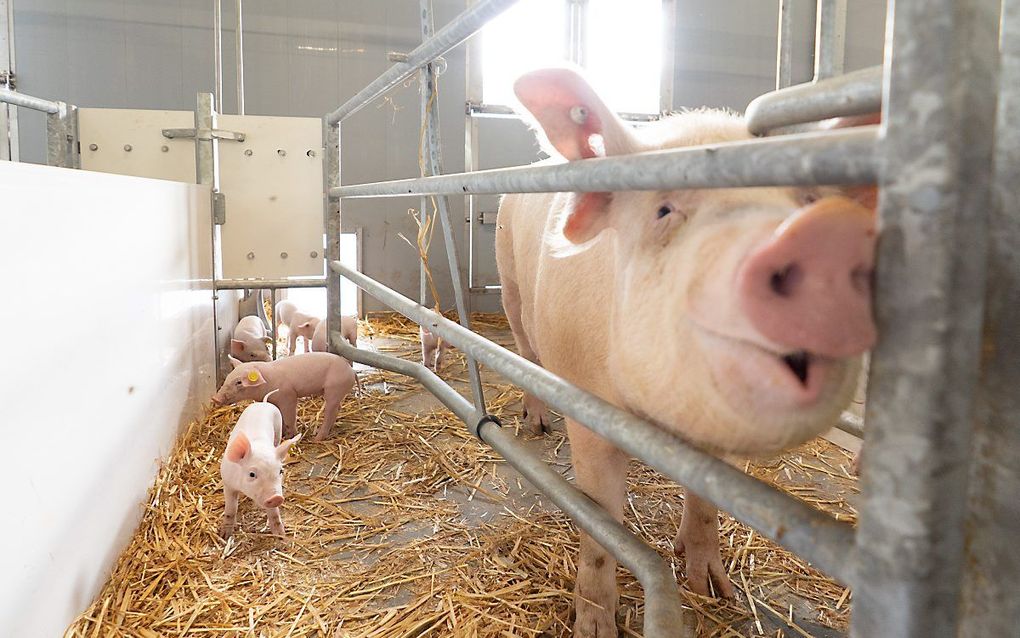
{"points": [[310, 153], [281, 152], [164, 148], [247, 152], [315, 254], [283, 255], [127, 147], [93, 147], [251, 255]]}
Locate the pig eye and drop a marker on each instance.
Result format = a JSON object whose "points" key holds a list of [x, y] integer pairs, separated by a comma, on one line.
{"points": [[251, 474], [664, 210]]}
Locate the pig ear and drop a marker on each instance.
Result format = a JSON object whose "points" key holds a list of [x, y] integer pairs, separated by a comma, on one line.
{"points": [[234, 362], [238, 448], [572, 116], [236, 346], [305, 324], [283, 448], [252, 378]]}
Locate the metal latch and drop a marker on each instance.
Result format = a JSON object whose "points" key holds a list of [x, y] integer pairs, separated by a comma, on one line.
{"points": [[204, 134], [9, 79], [219, 208]]}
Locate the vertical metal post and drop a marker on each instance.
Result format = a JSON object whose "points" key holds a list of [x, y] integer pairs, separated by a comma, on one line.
{"points": [[577, 11], [830, 38], [9, 149], [668, 56], [434, 164], [991, 599], [273, 323], [207, 171], [938, 120], [473, 92], [239, 55], [331, 213], [784, 45], [218, 52], [62, 137]]}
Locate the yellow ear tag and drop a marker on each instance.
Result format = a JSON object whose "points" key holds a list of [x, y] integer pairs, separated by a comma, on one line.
{"points": [[253, 376]]}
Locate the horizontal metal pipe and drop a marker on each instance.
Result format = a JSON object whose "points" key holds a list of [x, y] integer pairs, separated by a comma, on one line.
{"points": [[833, 157], [851, 424], [268, 284], [663, 613], [29, 102], [500, 110], [854, 93], [808, 532], [459, 29]]}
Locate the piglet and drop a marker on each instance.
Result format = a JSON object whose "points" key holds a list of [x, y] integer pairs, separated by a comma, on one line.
{"points": [[253, 464], [250, 341], [313, 374], [299, 324], [433, 349], [348, 328]]}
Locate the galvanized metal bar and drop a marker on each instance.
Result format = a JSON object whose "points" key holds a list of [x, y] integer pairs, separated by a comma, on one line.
{"points": [[273, 323], [838, 157], [459, 29], [784, 45], [938, 114], [814, 535], [830, 38], [218, 52], [480, 109], [576, 24], [9, 145], [855, 93], [332, 221], [35, 103], [991, 596], [62, 137], [664, 615], [239, 54], [207, 171], [270, 284], [434, 164], [668, 70], [851, 424]]}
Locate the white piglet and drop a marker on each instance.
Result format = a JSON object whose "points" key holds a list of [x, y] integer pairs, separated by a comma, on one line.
{"points": [[250, 341], [253, 464]]}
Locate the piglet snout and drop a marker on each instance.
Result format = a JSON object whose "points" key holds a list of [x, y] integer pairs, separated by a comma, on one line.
{"points": [[274, 501], [808, 287]]}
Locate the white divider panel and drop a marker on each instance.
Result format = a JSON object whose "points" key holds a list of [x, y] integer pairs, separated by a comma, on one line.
{"points": [[273, 186], [131, 142]]}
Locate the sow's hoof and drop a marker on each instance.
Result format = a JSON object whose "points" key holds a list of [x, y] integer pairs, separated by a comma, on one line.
{"points": [[536, 417]]}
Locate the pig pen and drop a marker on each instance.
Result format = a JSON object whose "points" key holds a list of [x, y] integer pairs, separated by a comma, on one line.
{"points": [[403, 524]]}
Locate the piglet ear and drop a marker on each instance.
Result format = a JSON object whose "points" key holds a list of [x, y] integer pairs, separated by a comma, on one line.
{"points": [[576, 121], [283, 448], [252, 378], [238, 448], [234, 362], [236, 346], [305, 324]]}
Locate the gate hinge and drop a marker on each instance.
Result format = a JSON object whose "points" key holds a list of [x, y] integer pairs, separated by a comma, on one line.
{"points": [[203, 134], [219, 208]]}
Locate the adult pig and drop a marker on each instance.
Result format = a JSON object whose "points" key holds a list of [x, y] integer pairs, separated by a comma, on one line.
{"points": [[299, 324], [253, 465], [314, 374], [250, 341], [732, 318]]}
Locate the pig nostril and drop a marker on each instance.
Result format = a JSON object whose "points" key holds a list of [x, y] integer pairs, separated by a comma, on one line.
{"points": [[784, 281], [861, 278]]}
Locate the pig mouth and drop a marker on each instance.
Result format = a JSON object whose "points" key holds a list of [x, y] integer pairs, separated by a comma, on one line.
{"points": [[799, 363]]}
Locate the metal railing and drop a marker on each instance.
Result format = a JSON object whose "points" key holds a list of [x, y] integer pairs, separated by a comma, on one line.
{"points": [[906, 561], [61, 126]]}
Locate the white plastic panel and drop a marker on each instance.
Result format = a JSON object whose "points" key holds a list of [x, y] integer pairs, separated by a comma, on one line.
{"points": [[108, 311], [131, 142], [273, 186]]}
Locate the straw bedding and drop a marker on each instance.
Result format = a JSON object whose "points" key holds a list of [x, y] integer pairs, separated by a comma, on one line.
{"points": [[403, 525]]}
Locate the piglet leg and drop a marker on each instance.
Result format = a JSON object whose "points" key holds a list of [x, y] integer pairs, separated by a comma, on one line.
{"points": [[334, 396], [275, 522], [229, 512], [286, 400]]}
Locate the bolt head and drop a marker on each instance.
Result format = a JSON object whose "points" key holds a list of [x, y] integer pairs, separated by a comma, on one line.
{"points": [[127, 147], [164, 148], [283, 255], [251, 255], [247, 152], [93, 147], [281, 152], [315, 254]]}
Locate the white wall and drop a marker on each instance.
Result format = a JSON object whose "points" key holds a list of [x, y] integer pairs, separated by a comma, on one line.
{"points": [[107, 320]]}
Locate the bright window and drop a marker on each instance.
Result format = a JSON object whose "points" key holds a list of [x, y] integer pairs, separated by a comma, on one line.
{"points": [[624, 49]]}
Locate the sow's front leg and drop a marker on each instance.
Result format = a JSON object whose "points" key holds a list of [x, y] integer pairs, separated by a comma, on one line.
{"points": [[601, 471], [536, 415], [698, 540]]}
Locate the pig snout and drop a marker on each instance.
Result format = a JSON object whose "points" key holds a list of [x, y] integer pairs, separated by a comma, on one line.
{"points": [[274, 501], [808, 287]]}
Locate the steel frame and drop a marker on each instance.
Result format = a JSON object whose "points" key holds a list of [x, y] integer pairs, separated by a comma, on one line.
{"points": [[906, 561]]}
